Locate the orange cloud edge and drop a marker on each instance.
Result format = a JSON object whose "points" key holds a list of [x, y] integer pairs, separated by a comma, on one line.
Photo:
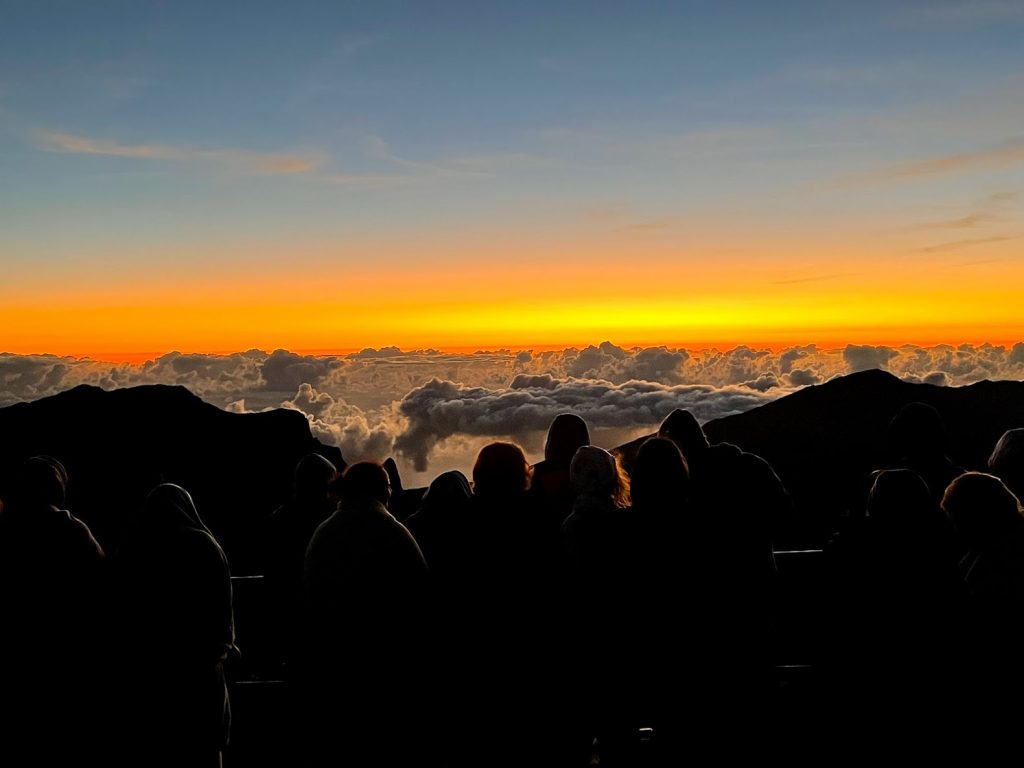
{"points": [[724, 344]]}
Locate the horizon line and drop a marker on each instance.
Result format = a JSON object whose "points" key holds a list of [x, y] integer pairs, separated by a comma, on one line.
{"points": [[135, 357]]}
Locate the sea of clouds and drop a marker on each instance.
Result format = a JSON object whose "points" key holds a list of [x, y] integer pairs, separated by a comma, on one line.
{"points": [[434, 410]]}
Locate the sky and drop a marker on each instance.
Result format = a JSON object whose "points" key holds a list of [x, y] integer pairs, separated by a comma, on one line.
{"points": [[215, 177]]}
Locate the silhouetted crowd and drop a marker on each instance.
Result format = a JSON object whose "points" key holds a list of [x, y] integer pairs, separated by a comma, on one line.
{"points": [[595, 608]]}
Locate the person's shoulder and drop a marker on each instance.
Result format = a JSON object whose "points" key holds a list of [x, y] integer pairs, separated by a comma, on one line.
{"points": [[723, 451], [83, 536]]}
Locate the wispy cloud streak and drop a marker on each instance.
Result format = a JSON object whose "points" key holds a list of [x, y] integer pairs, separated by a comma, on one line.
{"points": [[957, 245], [236, 160], [1003, 155]]}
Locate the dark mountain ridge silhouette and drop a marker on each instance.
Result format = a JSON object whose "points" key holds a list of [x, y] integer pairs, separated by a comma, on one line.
{"points": [[824, 440], [116, 444]]}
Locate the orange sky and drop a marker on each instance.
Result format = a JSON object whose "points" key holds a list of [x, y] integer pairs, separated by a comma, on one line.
{"points": [[573, 301]]}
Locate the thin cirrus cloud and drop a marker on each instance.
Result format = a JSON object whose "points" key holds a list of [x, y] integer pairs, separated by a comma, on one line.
{"points": [[397, 169], [998, 157], [970, 221], [234, 160], [957, 245]]}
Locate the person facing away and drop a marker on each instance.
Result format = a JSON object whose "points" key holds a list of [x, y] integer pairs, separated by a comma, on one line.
{"points": [[987, 517], [916, 439], [598, 596], [896, 598], [1007, 460], [442, 525], [365, 590], [289, 530], [518, 640], [177, 626], [550, 485], [51, 572], [665, 613]]}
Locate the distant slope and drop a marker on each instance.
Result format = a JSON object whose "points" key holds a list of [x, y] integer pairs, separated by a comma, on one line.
{"points": [[823, 440], [238, 467]]}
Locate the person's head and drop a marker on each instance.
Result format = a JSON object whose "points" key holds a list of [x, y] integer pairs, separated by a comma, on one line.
{"points": [[981, 508], [1007, 460], [500, 469], [448, 488], [42, 482], [899, 497], [660, 477], [171, 506], [681, 428], [596, 472], [313, 474], [566, 433], [366, 480]]}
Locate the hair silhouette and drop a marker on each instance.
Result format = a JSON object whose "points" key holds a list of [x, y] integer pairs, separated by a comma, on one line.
{"points": [[567, 433], [1007, 460], [981, 508], [660, 478], [500, 468]]}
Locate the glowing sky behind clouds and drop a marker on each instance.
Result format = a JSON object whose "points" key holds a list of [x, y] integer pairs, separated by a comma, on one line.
{"points": [[325, 175]]}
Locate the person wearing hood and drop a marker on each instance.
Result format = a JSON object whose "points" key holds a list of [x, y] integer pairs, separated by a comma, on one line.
{"points": [[178, 627], [442, 525], [366, 582]]}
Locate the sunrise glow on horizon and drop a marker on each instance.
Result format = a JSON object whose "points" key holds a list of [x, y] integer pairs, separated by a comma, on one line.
{"points": [[463, 177]]}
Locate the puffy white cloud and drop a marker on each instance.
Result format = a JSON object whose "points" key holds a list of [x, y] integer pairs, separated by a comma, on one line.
{"points": [[764, 382], [800, 377], [441, 409], [792, 355], [284, 371], [864, 358], [1017, 353], [359, 435], [541, 381]]}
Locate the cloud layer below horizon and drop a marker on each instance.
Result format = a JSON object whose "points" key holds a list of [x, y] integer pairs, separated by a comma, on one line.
{"points": [[434, 410]]}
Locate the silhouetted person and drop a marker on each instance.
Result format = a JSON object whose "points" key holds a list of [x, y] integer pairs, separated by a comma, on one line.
{"points": [[442, 526], [723, 469], [445, 528], [519, 638], [916, 440], [366, 585], [51, 574], [683, 429], [177, 632], [737, 506], [666, 614], [550, 485], [601, 492], [598, 605], [987, 517], [1007, 461], [896, 605], [289, 532]]}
